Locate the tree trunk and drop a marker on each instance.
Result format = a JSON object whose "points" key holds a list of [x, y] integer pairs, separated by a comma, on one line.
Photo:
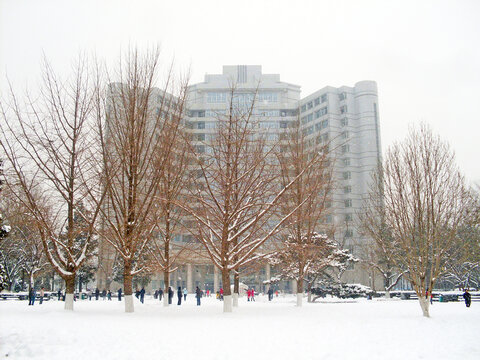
{"points": [[299, 291], [227, 292], [166, 280], [424, 304], [127, 285], [236, 288], [69, 292], [387, 294]]}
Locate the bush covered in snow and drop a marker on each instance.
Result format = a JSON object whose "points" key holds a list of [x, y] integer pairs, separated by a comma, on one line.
{"points": [[341, 290]]}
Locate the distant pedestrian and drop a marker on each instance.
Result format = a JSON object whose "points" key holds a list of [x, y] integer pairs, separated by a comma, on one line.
{"points": [[252, 295], [59, 293], [208, 293], [468, 298], [109, 295], [31, 296], [170, 295], [42, 294], [119, 294], [276, 293], [97, 293], [248, 294], [142, 295], [270, 294], [89, 294], [198, 295], [160, 294], [185, 293], [221, 293], [155, 294], [179, 295], [104, 294]]}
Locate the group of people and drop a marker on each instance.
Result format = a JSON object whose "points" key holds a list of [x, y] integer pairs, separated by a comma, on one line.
{"points": [[32, 295]]}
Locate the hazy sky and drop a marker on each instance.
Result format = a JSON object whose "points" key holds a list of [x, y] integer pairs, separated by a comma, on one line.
{"points": [[424, 55]]}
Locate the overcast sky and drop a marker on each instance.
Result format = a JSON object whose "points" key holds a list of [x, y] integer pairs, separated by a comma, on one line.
{"points": [[424, 55]]}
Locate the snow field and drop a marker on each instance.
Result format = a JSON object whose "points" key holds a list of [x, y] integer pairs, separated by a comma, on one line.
{"points": [[332, 329]]}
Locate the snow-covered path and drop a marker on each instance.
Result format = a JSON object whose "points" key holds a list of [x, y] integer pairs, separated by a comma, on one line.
{"points": [[261, 330]]}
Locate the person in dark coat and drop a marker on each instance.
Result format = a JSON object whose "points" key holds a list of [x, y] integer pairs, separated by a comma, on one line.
{"points": [[104, 294], [198, 295], [160, 294], [179, 295], [170, 295], [59, 293], [120, 294], [468, 298], [270, 294], [142, 295], [97, 293], [31, 296], [155, 294], [109, 295]]}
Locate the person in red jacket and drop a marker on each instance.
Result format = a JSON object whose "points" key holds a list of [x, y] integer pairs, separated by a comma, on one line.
{"points": [[248, 294], [221, 293]]}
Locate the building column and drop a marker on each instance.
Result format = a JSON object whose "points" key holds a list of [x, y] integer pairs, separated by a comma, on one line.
{"points": [[216, 284], [189, 278]]}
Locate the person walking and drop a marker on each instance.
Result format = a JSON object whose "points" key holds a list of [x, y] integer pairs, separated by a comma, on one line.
{"points": [[170, 295], [160, 294], [252, 295], [119, 294], [270, 294], [31, 296], [59, 293], [42, 294], [142, 295], [97, 293], [221, 294], [198, 295], [109, 295], [248, 294], [179, 295], [466, 296], [185, 293]]}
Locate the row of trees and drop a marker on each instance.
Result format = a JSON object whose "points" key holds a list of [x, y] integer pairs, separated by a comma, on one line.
{"points": [[92, 158], [106, 155]]}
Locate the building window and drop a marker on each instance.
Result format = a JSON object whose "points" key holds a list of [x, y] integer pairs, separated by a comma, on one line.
{"points": [[349, 233], [304, 108], [347, 189], [345, 135], [200, 137], [283, 125], [343, 109], [348, 217], [344, 122], [324, 98], [317, 101], [348, 203], [216, 97], [347, 175], [201, 125], [345, 149], [342, 96], [200, 148], [346, 161]]}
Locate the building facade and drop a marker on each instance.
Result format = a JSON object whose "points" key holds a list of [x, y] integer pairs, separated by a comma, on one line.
{"points": [[346, 118]]}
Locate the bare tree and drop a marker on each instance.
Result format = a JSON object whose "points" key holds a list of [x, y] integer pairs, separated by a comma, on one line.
{"points": [[166, 254], [310, 165], [380, 253], [425, 201], [49, 145], [237, 192], [135, 145]]}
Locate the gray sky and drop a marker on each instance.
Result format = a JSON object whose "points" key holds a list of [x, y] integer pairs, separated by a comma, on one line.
{"points": [[424, 55]]}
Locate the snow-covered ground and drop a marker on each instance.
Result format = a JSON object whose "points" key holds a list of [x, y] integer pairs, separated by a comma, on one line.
{"points": [[261, 330]]}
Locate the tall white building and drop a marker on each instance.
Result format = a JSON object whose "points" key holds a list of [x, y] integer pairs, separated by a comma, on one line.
{"points": [[345, 117]]}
